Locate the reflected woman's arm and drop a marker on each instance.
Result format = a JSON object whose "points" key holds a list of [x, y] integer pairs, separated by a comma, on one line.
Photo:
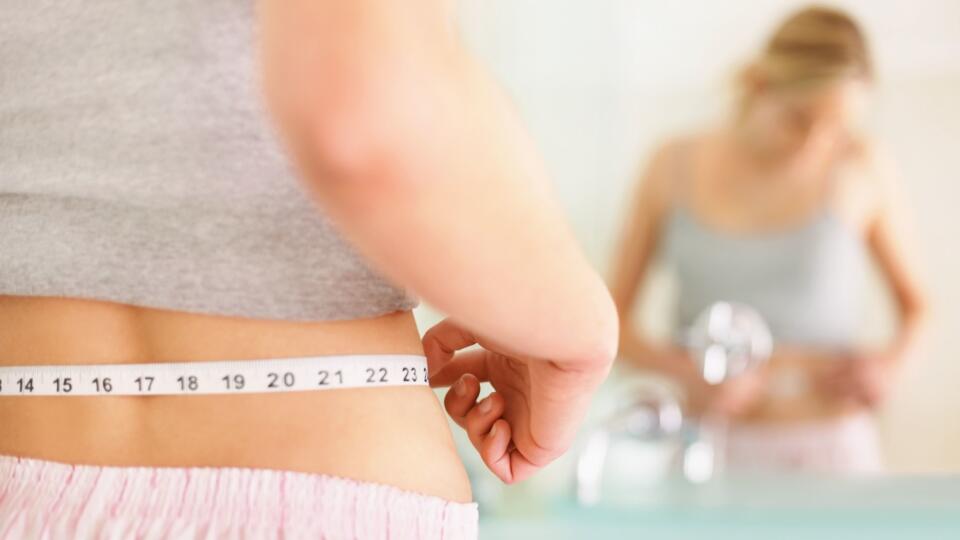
{"points": [[633, 258], [868, 377], [885, 235]]}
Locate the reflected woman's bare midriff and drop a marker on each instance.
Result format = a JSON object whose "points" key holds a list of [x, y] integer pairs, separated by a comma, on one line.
{"points": [[397, 436], [793, 394]]}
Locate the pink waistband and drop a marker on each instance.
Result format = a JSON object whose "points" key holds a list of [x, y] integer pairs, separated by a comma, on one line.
{"points": [[846, 445], [55, 500]]}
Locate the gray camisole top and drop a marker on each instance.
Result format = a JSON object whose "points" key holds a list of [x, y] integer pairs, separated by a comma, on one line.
{"points": [[138, 165], [805, 281]]}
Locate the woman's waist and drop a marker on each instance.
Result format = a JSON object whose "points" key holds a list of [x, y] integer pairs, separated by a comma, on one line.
{"points": [[794, 389], [48, 330], [799, 409], [390, 434]]}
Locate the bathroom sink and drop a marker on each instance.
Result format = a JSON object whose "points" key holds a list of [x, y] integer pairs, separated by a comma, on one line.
{"points": [[791, 508]]}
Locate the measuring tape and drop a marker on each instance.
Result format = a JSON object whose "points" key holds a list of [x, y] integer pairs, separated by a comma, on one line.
{"points": [[222, 377]]}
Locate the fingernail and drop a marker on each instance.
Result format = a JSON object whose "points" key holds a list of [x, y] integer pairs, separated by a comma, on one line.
{"points": [[493, 431], [485, 405], [461, 387]]}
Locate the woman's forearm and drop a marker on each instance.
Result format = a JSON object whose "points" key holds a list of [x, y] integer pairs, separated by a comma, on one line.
{"points": [[428, 171], [909, 333], [665, 359]]}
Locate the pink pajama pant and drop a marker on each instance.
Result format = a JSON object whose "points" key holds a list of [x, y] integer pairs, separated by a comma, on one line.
{"points": [[847, 446], [44, 499]]}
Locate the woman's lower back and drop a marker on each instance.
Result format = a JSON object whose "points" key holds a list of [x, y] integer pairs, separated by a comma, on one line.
{"points": [[396, 435]]}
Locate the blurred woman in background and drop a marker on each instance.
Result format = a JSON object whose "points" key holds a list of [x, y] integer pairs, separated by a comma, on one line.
{"points": [[780, 209]]}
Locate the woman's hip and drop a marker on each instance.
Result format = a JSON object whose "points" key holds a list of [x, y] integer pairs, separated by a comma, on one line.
{"points": [[391, 435], [843, 445], [49, 499]]}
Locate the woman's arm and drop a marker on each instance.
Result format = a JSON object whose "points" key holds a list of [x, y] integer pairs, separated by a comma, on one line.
{"points": [[420, 160], [884, 235], [634, 255], [868, 377]]}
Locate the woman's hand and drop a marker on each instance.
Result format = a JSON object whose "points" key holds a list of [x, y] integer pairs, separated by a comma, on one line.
{"points": [[532, 416], [862, 377], [730, 398], [735, 397]]}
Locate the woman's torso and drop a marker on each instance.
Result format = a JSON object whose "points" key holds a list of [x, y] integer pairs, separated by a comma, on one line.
{"points": [[139, 168], [798, 261]]}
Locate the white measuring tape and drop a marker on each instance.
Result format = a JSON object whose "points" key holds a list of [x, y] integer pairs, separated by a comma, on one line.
{"points": [[222, 377]]}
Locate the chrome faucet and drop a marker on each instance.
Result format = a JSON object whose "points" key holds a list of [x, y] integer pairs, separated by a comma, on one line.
{"points": [[726, 340], [649, 412]]}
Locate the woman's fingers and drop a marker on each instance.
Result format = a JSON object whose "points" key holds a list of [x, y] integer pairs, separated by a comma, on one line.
{"points": [[473, 362], [841, 383], [521, 468], [461, 398], [502, 458], [832, 375], [481, 418], [488, 432], [443, 340], [440, 345], [492, 436], [495, 450]]}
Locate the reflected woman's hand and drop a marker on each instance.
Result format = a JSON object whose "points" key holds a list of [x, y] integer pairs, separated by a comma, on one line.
{"points": [[737, 396], [532, 416], [861, 377], [731, 398]]}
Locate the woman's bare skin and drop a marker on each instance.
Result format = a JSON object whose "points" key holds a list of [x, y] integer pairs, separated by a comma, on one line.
{"points": [[397, 436]]}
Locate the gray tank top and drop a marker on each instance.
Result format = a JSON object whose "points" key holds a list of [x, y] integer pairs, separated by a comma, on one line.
{"points": [[805, 281], [138, 165]]}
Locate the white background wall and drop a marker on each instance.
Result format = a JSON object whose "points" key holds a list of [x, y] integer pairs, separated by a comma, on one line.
{"points": [[600, 82]]}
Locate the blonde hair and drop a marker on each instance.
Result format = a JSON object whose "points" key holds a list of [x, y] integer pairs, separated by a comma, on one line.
{"points": [[813, 46]]}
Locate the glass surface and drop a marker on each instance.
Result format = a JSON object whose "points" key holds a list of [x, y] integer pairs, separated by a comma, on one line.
{"points": [[602, 87]]}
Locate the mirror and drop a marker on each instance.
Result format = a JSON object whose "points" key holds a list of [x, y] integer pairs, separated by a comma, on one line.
{"points": [[802, 257]]}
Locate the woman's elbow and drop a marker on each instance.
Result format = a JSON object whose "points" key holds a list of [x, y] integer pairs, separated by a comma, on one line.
{"points": [[599, 342], [359, 127], [916, 309]]}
